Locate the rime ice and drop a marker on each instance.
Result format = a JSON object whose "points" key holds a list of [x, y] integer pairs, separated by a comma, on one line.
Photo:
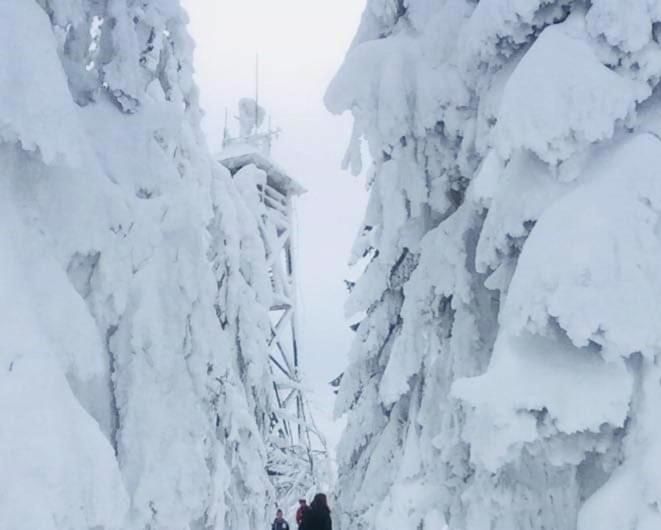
{"points": [[506, 370]]}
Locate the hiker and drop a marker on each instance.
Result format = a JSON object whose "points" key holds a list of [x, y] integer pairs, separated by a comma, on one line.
{"points": [[302, 508], [317, 516], [279, 523]]}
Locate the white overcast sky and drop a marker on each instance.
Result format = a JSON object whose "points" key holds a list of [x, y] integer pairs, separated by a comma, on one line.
{"points": [[301, 44]]}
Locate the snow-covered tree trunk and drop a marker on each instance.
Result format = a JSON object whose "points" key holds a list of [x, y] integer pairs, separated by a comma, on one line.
{"points": [[505, 374], [126, 403]]}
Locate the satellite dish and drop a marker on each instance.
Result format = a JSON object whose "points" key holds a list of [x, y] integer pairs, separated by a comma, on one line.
{"points": [[251, 116]]}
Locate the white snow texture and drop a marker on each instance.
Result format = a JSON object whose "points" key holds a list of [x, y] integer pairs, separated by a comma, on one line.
{"points": [[506, 374], [134, 389]]}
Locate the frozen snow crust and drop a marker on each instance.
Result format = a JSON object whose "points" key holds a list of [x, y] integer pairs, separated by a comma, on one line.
{"points": [[134, 389], [505, 373]]}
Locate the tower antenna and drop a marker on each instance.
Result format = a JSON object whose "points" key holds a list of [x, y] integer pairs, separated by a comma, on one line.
{"points": [[256, 92]]}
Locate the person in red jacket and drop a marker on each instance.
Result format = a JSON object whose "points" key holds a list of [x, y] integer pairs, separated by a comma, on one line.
{"points": [[302, 508]]}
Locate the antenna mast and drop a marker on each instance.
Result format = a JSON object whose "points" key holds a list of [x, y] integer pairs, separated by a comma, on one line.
{"points": [[256, 92]]}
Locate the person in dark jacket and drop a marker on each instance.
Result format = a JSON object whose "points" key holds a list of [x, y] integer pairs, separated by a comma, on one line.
{"points": [[279, 523], [318, 517]]}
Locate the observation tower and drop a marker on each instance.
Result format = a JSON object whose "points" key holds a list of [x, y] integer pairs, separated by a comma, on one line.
{"points": [[296, 447]]}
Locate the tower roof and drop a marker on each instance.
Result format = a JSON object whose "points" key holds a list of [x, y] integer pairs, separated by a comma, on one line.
{"points": [[238, 155]]}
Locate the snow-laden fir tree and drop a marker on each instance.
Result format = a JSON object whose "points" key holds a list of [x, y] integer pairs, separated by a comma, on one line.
{"points": [[297, 458], [132, 389], [505, 374]]}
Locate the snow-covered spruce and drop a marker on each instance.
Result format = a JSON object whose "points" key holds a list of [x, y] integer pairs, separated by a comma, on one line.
{"points": [[132, 389], [506, 373]]}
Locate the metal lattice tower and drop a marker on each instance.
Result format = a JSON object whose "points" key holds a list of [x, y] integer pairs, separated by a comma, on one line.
{"points": [[297, 444]]}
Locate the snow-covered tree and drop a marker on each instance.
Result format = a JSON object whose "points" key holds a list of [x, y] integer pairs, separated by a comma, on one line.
{"points": [[505, 374], [242, 303], [127, 401], [249, 238]]}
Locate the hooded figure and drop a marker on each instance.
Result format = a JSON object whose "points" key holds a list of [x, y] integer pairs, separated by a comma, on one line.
{"points": [[317, 517]]}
